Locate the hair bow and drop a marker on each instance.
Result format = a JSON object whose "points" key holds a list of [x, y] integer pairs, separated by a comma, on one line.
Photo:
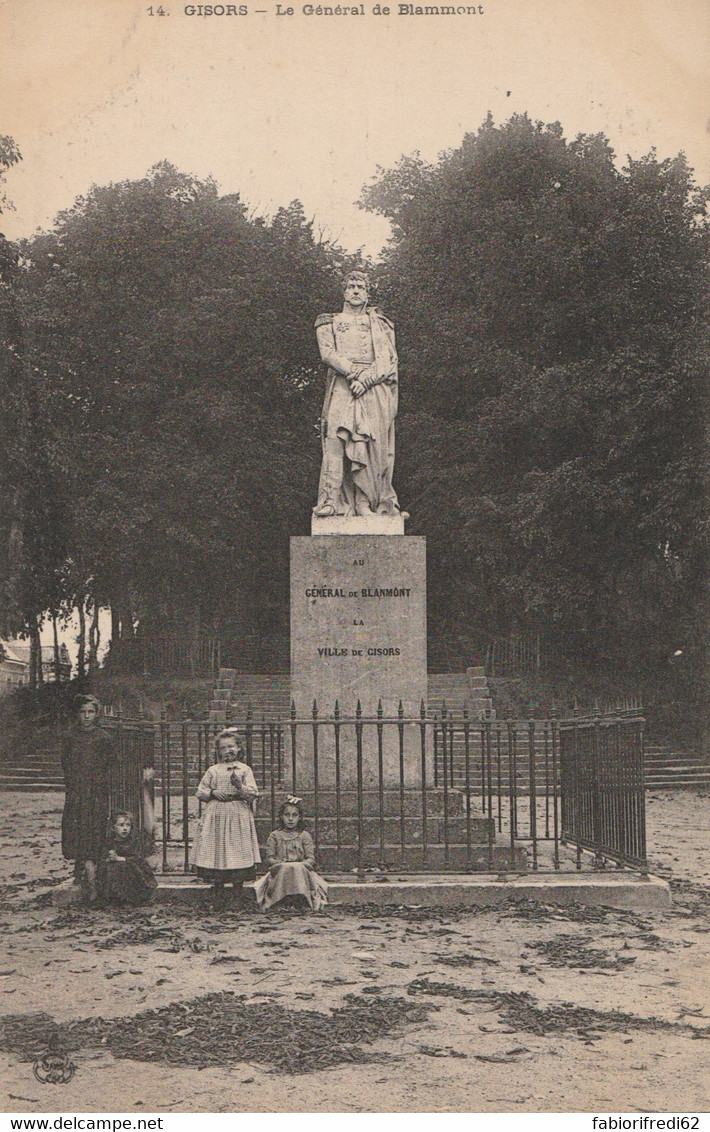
{"points": [[292, 800]]}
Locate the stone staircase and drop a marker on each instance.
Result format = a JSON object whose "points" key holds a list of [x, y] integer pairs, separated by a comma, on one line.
{"points": [[668, 769], [457, 690], [445, 847], [269, 699], [270, 696], [33, 775]]}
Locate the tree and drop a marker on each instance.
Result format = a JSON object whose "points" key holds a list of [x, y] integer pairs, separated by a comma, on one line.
{"points": [[169, 328], [12, 423], [550, 311]]}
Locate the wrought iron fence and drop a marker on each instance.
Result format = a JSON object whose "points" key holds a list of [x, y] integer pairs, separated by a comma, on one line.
{"points": [[602, 787], [514, 655], [399, 794], [169, 655], [130, 788]]}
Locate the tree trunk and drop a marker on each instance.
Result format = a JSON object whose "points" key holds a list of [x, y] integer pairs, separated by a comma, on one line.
{"points": [[94, 637], [57, 658], [81, 658], [39, 674], [33, 661], [126, 618]]}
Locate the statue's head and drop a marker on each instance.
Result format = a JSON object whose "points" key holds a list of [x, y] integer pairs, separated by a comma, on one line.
{"points": [[356, 288]]}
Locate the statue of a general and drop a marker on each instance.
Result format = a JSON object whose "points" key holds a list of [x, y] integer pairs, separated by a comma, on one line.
{"points": [[357, 422]]}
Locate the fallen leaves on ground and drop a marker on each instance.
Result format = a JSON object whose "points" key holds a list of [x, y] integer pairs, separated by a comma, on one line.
{"points": [[574, 951], [520, 1010], [223, 1030]]}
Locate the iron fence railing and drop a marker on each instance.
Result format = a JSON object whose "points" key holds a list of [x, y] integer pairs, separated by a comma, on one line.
{"points": [[514, 655], [430, 793], [602, 787], [170, 655], [130, 788]]}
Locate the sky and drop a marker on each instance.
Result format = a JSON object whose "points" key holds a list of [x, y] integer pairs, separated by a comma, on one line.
{"points": [[307, 107]]}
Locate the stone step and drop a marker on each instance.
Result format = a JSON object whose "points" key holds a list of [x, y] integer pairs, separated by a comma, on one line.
{"points": [[35, 787], [438, 831], [391, 802], [436, 858], [657, 751], [31, 773], [675, 783], [681, 764], [52, 758]]}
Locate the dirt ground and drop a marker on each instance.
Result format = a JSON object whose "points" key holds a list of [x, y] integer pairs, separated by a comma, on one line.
{"points": [[496, 1035]]}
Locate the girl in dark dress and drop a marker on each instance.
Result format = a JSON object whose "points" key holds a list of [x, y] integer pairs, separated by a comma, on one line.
{"points": [[124, 877], [87, 757]]}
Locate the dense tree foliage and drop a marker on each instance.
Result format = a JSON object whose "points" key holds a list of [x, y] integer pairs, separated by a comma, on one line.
{"points": [[12, 420], [551, 318], [30, 527], [172, 337], [552, 329]]}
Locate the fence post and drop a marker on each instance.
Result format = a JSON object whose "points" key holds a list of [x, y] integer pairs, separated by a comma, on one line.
{"points": [[596, 795], [513, 734], [358, 756], [316, 815], [436, 754], [532, 789], [402, 827], [381, 780], [145, 732], [577, 791], [263, 747], [555, 809], [422, 740], [164, 785], [511, 790], [185, 791], [482, 733], [467, 780], [273, 732], [293, 745], [642, 797], [445, 780], [338, 837]]}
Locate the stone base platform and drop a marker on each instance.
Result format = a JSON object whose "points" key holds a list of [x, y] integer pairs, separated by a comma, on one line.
{"points": [[358, 525], [413, 861], [391, 803], [623, 890], [389, 818]]}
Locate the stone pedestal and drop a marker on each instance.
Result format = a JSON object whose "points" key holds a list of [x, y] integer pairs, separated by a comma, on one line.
{"points": [[358, 633]]}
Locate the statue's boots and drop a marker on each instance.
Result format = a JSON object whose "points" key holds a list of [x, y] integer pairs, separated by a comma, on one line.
{"points": [[362, 504], [331, 479]]}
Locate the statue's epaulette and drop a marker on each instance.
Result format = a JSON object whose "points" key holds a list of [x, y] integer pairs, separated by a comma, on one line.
{"points": [[384, 317], [323, 320]]}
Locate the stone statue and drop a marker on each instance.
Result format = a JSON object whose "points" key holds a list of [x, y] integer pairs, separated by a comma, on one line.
{"points": [[357, 422]]}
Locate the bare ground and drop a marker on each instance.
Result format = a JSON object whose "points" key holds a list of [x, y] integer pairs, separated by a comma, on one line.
{"points": [[494, 1033]]}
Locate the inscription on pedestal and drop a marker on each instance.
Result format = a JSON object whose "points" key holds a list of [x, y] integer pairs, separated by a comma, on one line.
{"points": [[358, 622], [358, 633]]}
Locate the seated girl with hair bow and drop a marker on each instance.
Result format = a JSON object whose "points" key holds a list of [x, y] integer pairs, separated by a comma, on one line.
{"points": [[291, 862]]}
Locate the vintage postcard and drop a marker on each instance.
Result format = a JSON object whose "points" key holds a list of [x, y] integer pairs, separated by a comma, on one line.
{"points": [[353, 672]]}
